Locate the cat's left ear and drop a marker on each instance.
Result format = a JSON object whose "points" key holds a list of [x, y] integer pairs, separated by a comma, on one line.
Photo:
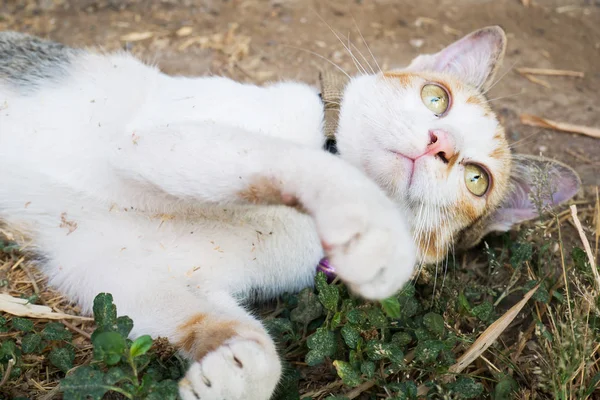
{"points": [[537, 184], [474, 59]]}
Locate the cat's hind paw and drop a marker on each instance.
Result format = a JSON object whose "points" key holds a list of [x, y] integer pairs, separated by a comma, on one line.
{"points": [[240, 369]]}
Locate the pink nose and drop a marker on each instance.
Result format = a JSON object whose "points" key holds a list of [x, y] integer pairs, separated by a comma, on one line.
{"points": [[440, 145]]}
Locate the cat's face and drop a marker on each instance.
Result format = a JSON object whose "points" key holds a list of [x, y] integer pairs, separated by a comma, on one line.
{"points": [[427, 135]]}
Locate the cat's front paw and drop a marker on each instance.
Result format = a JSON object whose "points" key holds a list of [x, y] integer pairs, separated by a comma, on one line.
{"points": [[241, 369], [370, 246]]}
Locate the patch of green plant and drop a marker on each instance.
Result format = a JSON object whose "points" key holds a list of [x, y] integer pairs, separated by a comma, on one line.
{"points": [[373, 342], [134, 369], [121, 365]]}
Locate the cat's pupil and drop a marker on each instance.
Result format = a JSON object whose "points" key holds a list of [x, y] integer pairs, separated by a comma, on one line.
{"points": [[475, 178]]}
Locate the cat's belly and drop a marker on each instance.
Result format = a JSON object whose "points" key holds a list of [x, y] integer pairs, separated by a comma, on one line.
{"points": [[243, 250], [258, 250]]}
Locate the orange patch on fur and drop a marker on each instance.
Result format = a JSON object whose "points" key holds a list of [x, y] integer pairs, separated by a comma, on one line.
{"points": [[202, 334], [265, 190], [429, 247], [499, 134], [474, 100], [404, 78], [468, 210], [498, 153], [452, 160], [262, 190]]}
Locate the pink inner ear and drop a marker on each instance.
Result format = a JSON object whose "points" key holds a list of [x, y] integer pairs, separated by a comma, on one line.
{"points": [[474, 46], [473, 57], [565, 187]]}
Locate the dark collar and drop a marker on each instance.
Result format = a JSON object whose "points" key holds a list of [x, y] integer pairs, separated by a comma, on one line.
{"points": [[332, 90]]}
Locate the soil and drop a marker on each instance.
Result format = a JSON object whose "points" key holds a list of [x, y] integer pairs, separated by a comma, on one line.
{"points": [[259, 41]]}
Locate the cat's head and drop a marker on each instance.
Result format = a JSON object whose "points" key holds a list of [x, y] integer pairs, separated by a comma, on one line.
{"points": [[428, 136]]}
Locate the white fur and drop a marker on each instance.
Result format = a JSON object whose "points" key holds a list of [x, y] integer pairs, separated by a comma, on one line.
{"points": [[127, 181]]}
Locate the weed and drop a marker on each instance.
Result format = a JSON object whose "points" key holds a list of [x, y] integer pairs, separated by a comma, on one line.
{"points": [[336, 346]]}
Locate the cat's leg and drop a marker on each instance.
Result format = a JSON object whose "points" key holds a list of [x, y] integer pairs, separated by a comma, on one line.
{"points": [[233, 356], [362, 231]]}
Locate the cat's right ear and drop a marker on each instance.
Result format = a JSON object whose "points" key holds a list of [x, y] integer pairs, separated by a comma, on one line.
{"points": [[474, 59]]}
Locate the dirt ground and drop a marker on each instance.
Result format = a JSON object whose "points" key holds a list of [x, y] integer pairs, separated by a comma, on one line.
{"points": [[261, 41]]}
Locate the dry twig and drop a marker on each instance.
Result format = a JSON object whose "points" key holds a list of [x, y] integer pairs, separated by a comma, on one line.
{"points": [[534, 120], [550, 72], [586, 246]]}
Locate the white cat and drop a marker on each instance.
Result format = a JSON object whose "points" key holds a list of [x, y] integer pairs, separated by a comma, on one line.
{"points": [[183, 196]]}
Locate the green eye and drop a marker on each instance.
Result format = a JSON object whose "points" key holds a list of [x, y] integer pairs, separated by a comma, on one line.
{"points": [[435, 98], [476, 179]]}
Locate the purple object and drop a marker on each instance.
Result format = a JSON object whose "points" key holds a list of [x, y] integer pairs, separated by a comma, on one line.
{"points": [[328, 269]]}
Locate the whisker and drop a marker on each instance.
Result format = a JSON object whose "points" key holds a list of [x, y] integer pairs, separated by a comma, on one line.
{"points": [[366, 45], [522, 141], [357, 64], [361, 54], [504, 97], [501, 77], [321, 57]]}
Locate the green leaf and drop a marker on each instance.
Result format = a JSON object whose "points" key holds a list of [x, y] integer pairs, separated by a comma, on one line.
{"points": [[521, 252], [356, 317], [592, 386], [541, 295], [391, 306], [484, 311], [466, 388], [31, 343], [377, 350], [281, 328], [109, 347], [287, 388], [463, 302], [321, 344], [124, 325], [22, 324], [409, 307], [580, 259], [336, 320], [115, 375], [434, 323], [505, 388], [405, 390], [427, 351], [377, 318], [105, 312], [164, 390], [351, 336], [84, 383], [329, 295], [349, 375], [401, 338], [140, 346], [309, 308], [56, 331], [9, 350], [368, 369], [62, 357]]}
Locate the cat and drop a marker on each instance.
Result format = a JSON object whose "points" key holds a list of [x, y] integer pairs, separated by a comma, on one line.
{"points": [[185, 197]]}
